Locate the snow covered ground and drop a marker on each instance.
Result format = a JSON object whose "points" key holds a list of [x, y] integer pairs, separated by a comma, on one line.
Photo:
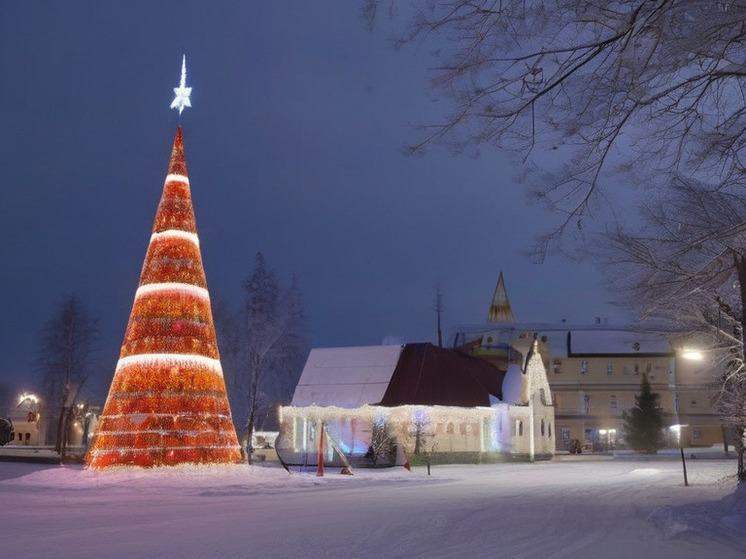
{"points": [[577, 507]]}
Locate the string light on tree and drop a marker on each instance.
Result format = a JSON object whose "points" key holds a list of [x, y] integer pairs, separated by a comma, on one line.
{"points": [[168, 403]]}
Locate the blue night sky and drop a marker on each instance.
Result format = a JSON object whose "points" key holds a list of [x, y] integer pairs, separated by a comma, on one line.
{"points": [[294, 147]]}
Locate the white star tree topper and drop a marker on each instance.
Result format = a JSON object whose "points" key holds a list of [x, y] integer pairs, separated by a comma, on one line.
{"points": [[182, 92]]}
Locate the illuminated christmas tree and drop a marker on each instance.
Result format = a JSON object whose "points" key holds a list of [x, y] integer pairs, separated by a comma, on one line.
{"points": [[167, 403]]}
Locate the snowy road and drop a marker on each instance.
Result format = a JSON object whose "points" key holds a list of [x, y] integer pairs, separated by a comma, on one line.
{"points": [[569, 508]]}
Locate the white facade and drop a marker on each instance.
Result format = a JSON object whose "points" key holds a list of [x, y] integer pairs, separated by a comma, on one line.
{"points": [[522, 428]]}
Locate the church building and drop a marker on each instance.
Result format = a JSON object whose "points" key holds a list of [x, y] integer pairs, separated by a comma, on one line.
{"points": [[380, 405]]}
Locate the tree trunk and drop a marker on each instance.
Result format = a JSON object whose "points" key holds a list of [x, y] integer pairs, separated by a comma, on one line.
{"points": [[740, 263]]}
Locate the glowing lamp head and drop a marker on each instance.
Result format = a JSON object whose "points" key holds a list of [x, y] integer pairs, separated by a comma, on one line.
{"points": [[692, 354]]}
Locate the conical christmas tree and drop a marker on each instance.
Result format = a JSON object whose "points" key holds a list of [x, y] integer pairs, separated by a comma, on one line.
{"points": [[167, 403]]}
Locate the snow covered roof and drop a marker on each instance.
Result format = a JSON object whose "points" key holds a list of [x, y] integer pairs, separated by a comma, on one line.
{"points": [[347, 377], [575, 340], [615, 342], [396, 375]]}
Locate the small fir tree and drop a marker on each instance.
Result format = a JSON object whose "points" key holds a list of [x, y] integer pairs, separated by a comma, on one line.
{"points": [[643, 424]]}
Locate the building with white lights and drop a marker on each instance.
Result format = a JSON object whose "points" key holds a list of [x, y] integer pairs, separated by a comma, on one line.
{"points": [[595, 371], [377, 405]]}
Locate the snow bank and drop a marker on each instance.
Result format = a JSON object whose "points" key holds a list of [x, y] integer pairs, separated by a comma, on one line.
{"points": [[724, 519], [584, 507]]}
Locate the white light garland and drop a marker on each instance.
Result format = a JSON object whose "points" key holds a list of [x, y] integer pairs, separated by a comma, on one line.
{"points": [[176, 234], [149, 450], [187, 288], [173, 177], [170, 360]]}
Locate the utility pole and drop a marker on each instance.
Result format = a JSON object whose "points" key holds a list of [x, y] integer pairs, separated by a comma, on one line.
{"points": [[439, 311]]}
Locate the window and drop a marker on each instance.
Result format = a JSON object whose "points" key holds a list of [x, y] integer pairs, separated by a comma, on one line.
{"points": [[520, 428], [557, 365], [609, 369], [696, 433], [648, 367], [543, 430], [583, 367], [586, 404], [550, 428], [694, 403], [612, 401]]}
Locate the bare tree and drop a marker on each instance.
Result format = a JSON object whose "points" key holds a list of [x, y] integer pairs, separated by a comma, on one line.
{"points": [[585, 89], [265, 349], [686, 265], [66, 348], [382, 443], [420, 430]]}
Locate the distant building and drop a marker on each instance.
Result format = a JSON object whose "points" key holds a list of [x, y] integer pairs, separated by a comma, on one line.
{"points": [[24, 421], [414, 399], [594, 372]]}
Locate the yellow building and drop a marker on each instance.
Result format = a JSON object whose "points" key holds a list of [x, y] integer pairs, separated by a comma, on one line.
{"points": [[595, 372]]}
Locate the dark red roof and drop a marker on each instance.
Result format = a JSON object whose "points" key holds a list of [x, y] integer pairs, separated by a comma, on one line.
{"points": [[434, 376]]}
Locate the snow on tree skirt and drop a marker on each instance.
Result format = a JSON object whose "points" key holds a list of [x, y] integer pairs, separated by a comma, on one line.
{"points": [[167, 403]]}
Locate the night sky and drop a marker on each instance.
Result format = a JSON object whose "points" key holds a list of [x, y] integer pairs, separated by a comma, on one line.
{"points": [[294, 147]]}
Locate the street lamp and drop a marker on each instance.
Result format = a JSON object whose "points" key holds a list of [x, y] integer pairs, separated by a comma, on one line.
{"points": [[27, 397], [692, 354], [610, 433], [677, 429]]}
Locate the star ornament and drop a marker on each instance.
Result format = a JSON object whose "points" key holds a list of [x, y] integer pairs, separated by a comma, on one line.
{"points": [[182, 92]]}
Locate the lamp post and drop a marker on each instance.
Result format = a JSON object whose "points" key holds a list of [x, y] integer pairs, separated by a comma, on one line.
{"points": [[34, 413], [609, 433], [677, 430]]}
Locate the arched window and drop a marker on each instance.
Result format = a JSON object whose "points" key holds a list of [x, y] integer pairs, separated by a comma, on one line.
{"points": [[543, 430], [520, 428], [550, 428]]}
